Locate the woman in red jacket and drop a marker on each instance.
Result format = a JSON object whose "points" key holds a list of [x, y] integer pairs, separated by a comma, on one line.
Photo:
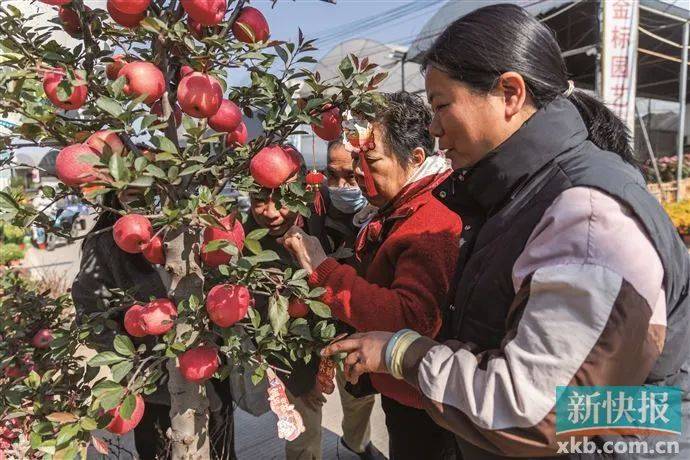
{"points": [[409, 251]]}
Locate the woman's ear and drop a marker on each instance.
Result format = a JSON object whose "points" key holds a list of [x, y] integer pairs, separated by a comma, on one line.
{"points": [[514, 93], [418, 156]]}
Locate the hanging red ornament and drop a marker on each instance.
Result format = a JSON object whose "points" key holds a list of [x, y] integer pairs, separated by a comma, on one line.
{"points": [[358, 139], [326, 375], [314, 181]]}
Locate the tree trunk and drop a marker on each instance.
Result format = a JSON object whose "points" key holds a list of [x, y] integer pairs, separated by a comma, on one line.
{"points": [[188, 403]]}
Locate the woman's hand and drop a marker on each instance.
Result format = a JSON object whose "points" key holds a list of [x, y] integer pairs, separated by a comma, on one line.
{"points": [[305, 249], [365, 353]]}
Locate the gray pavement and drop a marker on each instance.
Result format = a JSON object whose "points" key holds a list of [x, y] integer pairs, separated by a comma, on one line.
{"points": [[255, 437]]}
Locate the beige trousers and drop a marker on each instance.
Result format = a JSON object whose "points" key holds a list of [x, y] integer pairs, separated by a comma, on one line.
{"points": [[356, 425]]}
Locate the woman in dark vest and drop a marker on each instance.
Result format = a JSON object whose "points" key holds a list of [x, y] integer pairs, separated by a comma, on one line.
{"points": [[570, 272]]}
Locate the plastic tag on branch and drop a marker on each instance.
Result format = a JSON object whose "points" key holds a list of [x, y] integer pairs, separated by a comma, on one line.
{"points": [[358, 138], [290, 424], [358, 133]]}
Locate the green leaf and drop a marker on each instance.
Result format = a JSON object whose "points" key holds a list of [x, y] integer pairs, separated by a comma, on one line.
{"points": [[283, 54], [142, 181], [300, 274], [164, 144], [316, 292], [118, 86], [253, 245], [258, 375], [67, 433], [104, 387], [300, 328], [277, 313], [109, 105], [319, 308], [155, 171], [123, 345], [33, 380], [88, 424], [120, 370], [346, 68], [263, 256], [111, 400], [105, 358], [215, 245], [128, 406], [257, 234], [191, 169], [188, 123], [255, 317], [148, 120], [140, 163], [166, 156], [48, 191], [117, 167]]}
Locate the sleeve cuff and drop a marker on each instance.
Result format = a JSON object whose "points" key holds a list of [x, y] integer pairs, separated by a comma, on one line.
{"points": [[318, 277], [413, 357]]}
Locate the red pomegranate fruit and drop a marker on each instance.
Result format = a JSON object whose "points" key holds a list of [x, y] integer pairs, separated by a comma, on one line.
{"points": [[227, 118], [231, 230], [120, 425], [274, 165], [74, 165], [250, 26], [113, 68], [131, 6], [76, 99], [331, 125], [132, 233], [143, 78], [297, 308], [106, 141], [226, 304], [205, 12], [153, 252], [42, 339], [134, 325], [129, 20], [238, 137], [199, 364], [199, 95]]}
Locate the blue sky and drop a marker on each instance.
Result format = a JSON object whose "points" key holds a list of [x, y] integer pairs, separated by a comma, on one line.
{"points": [[316, 19]]}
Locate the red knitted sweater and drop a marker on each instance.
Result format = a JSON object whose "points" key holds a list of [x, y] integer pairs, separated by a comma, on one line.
{"points": [[406, 280]]}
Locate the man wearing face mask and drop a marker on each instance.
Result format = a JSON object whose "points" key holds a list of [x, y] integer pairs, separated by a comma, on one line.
{"points": [[346, 211], [348, 208]]}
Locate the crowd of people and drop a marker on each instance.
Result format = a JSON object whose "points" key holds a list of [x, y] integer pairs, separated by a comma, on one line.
{"points": [[523, 254]]}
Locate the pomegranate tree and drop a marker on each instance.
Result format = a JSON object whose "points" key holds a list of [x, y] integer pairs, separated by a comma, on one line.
{"points": [[140, 109]]}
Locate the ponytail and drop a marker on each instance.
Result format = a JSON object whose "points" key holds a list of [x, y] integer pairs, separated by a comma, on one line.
{"points": [[480, 46], [606, 130]]}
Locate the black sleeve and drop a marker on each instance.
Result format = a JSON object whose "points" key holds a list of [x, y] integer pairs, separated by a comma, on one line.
{"points": [[93, 281]]}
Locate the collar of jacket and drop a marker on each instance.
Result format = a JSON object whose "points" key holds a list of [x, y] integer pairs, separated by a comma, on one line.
{"points": [[552, 130]]}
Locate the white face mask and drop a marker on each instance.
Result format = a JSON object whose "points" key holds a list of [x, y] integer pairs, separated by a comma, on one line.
{"points": [[348, 200]]}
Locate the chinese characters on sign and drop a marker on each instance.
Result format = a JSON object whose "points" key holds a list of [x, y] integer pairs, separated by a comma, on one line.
{"points": [[619, 69], [625, 410]]}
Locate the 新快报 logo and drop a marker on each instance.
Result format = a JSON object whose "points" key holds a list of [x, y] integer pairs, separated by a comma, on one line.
{"points": [[618, 410]]}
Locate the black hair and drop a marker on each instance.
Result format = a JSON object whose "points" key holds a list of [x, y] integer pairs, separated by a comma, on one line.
{"points": [[332, 144], [405, 119], [477, 48]]}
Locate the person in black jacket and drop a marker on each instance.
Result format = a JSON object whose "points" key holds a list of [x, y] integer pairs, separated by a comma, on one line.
{"points": [[303, 389], [569, 273], [104, 267]]}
